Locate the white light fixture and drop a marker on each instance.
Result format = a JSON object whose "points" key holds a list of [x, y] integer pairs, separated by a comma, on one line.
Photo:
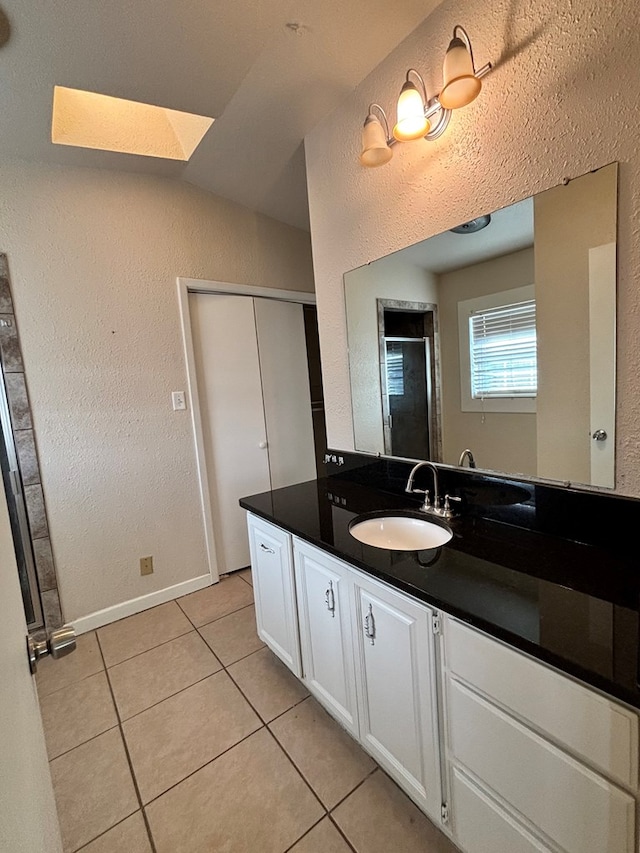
{"points": [[375, 148], [411, 121], [461, 85]]}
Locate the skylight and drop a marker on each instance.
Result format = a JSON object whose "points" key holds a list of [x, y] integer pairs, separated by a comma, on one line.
{"points": [[90, 120]]}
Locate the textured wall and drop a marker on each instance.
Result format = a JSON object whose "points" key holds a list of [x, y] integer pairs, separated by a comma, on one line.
{"points": [[562, 100], [94, 257]]}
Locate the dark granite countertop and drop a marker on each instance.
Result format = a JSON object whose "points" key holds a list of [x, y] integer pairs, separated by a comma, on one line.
{"points": [[573, 605]]}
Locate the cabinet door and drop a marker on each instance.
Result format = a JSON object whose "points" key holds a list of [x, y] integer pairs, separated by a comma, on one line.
{"points": [[274, 590], [322, 586], [398, 709]]}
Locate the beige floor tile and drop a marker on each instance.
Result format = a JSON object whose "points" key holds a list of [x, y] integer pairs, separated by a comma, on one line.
{"points": [[234, 636], [323, 838], [130, 836], [378, 818], [93, 789], [149, 678], [246, 575], [216, 601], [136, 634], [55, 674], [181, 734], [76, 714], [267, 683], [331, 761], [250, 800]]}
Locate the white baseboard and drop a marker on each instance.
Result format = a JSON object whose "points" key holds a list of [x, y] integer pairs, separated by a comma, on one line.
{"points": [[136, 605]]}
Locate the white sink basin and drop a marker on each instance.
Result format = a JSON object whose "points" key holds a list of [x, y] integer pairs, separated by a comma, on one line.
{"points": [[399, 532]]}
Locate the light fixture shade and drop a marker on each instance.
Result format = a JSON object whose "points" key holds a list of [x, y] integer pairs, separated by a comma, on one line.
{"points": [[411, 122], [375, 150], [460, 86]]}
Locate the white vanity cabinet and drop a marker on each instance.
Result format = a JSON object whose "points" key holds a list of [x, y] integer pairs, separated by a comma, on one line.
{"points": [[536, 761], [395, 668], [506, 754], [274, 590], [324, 612]]}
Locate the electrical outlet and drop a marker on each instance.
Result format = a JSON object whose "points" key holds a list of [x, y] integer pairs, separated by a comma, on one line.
{"points": [[179, 401], [146, 565]]}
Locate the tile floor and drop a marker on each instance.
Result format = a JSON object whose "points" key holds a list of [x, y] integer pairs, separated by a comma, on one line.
{"points": [[178, 731]]}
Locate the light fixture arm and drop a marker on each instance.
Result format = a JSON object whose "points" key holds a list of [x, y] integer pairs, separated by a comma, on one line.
{"points": [[442, 123], [420, 79], [464, 36], [385, 121]]}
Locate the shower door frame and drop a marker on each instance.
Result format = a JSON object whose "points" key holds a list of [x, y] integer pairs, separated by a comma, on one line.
{"points": [[17, 497], [435, 384]]}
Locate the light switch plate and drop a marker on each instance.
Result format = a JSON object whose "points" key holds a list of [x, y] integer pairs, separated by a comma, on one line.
{"points": [[179, 401]]}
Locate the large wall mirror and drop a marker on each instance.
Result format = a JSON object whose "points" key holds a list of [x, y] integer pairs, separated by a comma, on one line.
{"points": [[498, 337]]}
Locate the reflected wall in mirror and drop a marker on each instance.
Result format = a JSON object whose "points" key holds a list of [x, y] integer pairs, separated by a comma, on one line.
{"points": [[498, 337]]}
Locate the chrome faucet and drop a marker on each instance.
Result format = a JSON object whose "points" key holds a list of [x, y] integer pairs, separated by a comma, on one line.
{"points": [[426, 506], [435, 508], [468, 455]]}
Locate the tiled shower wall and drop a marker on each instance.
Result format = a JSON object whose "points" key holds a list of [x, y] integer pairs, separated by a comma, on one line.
{"points": [[15, 382]]}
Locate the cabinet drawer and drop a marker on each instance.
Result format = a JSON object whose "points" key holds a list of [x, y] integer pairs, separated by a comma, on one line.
{"points": [[482, 826], [572, 805], [602, 732]]}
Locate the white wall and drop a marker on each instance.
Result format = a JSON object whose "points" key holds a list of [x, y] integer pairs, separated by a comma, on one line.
{"points": [[93, 257], [388, 278], [562, 100]]}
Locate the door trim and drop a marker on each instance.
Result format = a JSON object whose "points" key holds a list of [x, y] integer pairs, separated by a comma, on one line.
{"points": [[185, 286]]}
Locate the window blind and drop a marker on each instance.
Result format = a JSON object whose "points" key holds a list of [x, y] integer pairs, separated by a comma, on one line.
{"points": [[395, 369], [502, 345]]}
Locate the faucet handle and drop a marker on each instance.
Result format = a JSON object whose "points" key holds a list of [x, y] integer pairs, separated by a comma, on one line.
{"points": [[447, 512], [425, 505]]}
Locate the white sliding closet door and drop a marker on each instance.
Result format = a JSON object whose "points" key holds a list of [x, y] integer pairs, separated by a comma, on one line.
{"points": [[228, 375], [255, 406], [282, 348]]}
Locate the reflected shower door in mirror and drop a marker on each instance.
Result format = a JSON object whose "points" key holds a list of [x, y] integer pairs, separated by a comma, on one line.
{"points": [[498, 336]]}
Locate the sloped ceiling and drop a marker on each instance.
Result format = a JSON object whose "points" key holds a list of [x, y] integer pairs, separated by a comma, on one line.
{"points": [[266, 84]]}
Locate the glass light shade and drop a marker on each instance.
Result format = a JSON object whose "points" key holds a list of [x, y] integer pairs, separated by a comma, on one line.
{"points": [[375, 151], [460, 86], [411, 122]]}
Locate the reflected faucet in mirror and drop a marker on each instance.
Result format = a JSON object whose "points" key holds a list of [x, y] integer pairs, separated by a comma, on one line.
{"points": [[468, 455], [501, 339]]}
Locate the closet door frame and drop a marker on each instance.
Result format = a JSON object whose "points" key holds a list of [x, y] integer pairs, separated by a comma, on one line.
{"points": [[185, 286]]}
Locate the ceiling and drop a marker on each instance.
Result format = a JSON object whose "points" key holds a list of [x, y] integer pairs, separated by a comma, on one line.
{"points": [[510, 230], [266, 84]]}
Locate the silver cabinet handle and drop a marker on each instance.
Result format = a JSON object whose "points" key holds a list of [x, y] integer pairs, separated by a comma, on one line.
{"points": [[370, 626], [599, 435], [263, 547], [330, 599]]}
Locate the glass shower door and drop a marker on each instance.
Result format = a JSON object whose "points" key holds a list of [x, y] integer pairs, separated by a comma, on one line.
{"points": [[408, 397]]}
